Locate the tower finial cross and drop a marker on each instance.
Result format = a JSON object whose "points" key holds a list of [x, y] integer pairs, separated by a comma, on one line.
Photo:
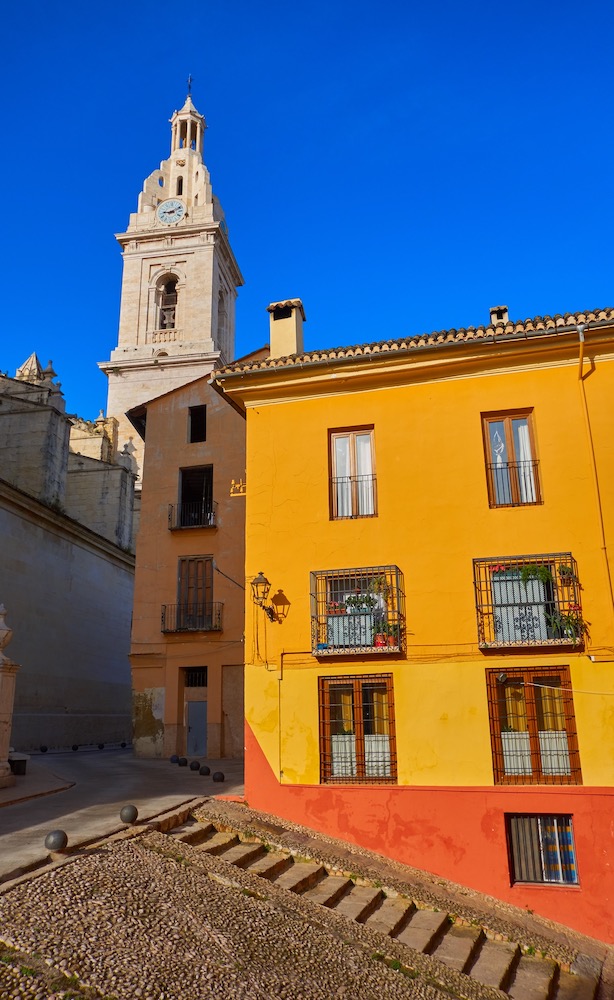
{"points": [[189, 84]]}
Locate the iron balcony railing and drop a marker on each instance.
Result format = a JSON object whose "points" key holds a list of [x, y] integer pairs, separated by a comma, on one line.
{"points": [[354, 496], [198, 514], [192, 617], [531, 600], [358, 610], [513, 484]]}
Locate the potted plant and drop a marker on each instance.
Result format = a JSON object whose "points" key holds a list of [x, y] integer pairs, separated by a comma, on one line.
{"points": [[360, 602], [335, 608], [379, 585], [535, 571], [566, 574], [567, 623]]}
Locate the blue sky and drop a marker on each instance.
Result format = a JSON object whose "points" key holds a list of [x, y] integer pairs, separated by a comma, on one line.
{"points": [[400, 166]]}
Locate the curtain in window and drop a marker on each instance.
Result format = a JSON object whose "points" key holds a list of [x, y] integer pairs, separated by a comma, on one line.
{"points": [[343, 484], [519, 609], [343, 739], [364, 472], [558, 856], [501, 470], [553, 743], [515, 707], [524, 459]]}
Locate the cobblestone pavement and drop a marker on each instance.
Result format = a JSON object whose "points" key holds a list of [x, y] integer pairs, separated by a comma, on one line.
{"points": [[133, 918]]}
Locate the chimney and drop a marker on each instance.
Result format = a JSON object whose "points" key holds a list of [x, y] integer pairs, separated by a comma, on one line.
{"points": [[499, 314], [286, 326]]}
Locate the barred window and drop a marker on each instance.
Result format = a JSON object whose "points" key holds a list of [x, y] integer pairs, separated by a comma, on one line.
{"points": [[541, 849], [357, 735], [196, 677], [533, 727], [531, 600], [358, 610]]}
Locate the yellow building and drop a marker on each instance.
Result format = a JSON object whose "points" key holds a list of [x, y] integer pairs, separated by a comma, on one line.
{"points": [[431, 674]]}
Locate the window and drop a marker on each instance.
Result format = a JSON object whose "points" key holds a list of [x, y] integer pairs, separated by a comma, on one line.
{"points": [[357, 738], [168, 305], [197, 508], [541, 849], [529, 600], [195, 610], [179, 186], [196, 677], [352, 483], [532, 726], [197, 430], [511, 469], [357, 611]]}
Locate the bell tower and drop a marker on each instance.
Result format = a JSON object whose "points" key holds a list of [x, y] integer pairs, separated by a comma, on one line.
{"points": [[179, 284]]}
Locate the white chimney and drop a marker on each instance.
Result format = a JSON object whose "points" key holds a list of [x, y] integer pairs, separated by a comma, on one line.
{"points": [[286, 327], [499, 314]]}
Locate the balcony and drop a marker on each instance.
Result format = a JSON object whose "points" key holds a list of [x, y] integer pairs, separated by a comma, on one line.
{"points": [[356, 611], [192, 617], [353, 496], [198, 514], [513, 484], [531, 600]]}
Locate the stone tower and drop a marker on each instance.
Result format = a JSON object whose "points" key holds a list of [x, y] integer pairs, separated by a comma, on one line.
{"points": [[179, 283]]}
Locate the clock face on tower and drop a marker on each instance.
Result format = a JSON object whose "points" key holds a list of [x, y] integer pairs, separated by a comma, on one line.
{"points": [[171, 210]]}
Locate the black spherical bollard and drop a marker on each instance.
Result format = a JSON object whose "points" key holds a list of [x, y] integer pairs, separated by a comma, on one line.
{"points": [[128, 814], [194, 765], [123, 745], [183, 762], [44, 749], [218, 776], [75, 746], [56, 840], [174, 759], [205, 770], [101, 746]]}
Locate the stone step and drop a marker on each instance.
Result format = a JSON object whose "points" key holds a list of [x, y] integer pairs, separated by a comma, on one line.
{"points": [[390, 918], [533, 979], [423, 930], [270, 865], [572, 987], [329, 890], [218, 843], [301, 876], [193, 833], [242, 855], [359, 903], [458, 946], [494, 963]]}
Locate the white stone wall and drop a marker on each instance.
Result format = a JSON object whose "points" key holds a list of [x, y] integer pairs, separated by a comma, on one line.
{"points": [[69, 595]]}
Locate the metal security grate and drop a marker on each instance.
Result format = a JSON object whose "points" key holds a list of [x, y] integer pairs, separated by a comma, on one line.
{"points": [[532, 726], [196, 514], [357, 731], [513, 484], [196, 677], [531, 600], [359, 610]]}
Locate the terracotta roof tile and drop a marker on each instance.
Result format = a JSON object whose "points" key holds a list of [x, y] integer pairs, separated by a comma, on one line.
{"points": [[530, 327]]}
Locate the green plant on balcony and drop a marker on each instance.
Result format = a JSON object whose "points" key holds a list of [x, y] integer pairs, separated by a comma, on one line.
{"points": [[379, 585], [566, 574], [360, 602], [535, 571], [567, 623]]}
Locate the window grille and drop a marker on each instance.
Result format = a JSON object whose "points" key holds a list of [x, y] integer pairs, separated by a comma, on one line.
{"points": [[197, 509], [531, 600], [358, 611], [196, 677], [532, 726], [192, 617], [357, 731], [353, 485], [542, 849]]}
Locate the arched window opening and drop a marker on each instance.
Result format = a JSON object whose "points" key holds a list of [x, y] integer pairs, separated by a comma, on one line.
{"points": [[161, 181], [168, 305], [179, 185], [195, 200]]}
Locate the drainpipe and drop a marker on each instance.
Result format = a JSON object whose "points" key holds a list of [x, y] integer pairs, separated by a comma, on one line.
{"points": [[581, 327]]}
